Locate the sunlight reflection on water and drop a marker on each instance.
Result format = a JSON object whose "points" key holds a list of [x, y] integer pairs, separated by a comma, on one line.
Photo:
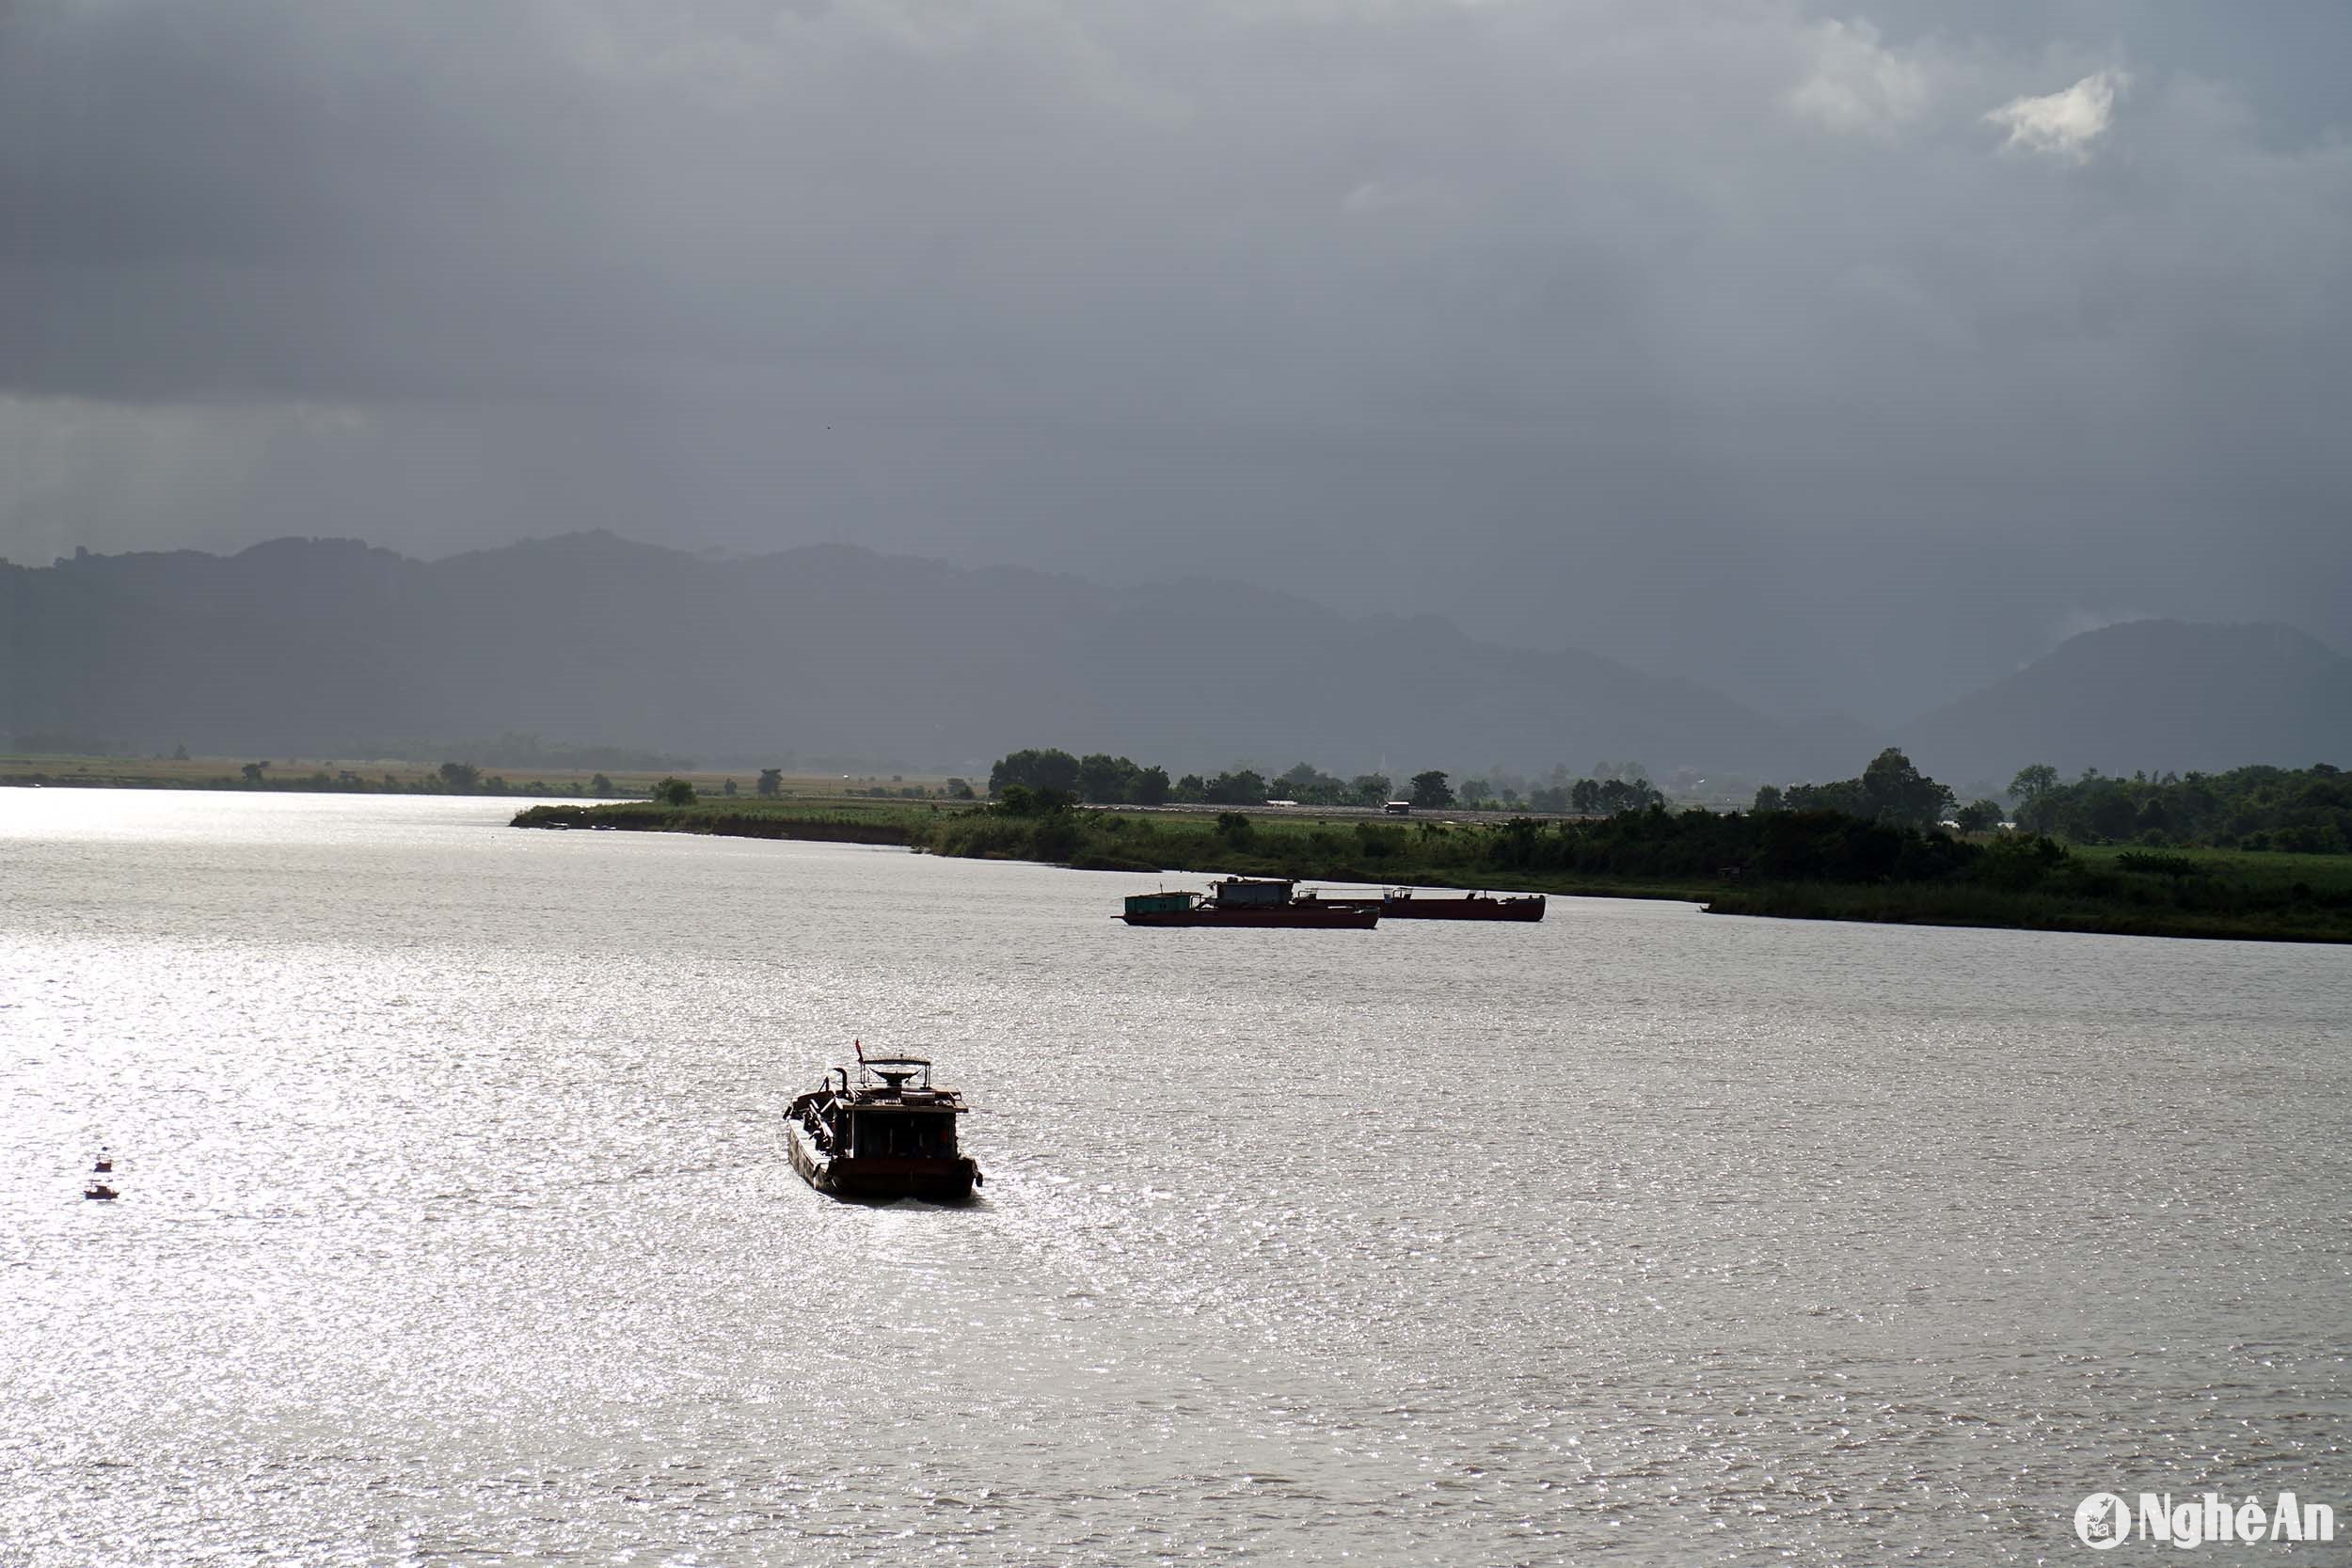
{"points": [[456, 1224]]}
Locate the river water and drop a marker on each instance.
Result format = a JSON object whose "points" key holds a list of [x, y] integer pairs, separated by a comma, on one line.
{"points": [[456, 1224]]}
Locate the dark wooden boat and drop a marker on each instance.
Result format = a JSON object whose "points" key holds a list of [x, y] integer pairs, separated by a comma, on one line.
{"points": [[1249, 901], [890, 1134], [1402, 903], [101, 1191]]}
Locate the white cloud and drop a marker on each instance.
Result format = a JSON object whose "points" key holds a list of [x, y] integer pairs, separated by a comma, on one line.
{"points": [[2062, 124], [1374, 197], [1857, 84]]}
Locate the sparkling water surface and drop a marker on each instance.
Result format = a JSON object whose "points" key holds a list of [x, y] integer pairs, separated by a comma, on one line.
{"points": [[456, 1224]]}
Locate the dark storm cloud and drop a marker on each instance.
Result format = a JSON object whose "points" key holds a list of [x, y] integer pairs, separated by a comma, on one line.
{"points": [[1813, 353]]}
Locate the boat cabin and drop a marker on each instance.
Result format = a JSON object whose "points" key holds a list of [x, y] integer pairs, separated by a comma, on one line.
{"points": [[1161, 903], [1235, 891], [892, 1113], [903, 1131]]}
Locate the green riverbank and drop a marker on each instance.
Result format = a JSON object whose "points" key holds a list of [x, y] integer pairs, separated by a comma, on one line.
{"points": [[1791, 865]]}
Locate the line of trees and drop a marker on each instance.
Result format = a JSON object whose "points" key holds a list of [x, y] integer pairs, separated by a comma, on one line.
{"points": [[2303, 809], [449, 778], [1047, 776], [2253, 808]]}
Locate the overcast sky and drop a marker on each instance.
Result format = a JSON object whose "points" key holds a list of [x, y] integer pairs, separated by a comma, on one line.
{"points": [[1843, 357]]}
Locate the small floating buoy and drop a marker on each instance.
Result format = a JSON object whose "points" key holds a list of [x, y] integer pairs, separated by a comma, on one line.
{"points": [[100, 1190]]}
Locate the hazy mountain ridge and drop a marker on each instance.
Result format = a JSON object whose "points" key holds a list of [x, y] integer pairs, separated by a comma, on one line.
{"points": [[297, 645], [2158, 695]]}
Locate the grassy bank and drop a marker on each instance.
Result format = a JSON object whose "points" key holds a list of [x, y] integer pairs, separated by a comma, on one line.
{"points": [[1795, 865], [848, 822], [2244, 908]]}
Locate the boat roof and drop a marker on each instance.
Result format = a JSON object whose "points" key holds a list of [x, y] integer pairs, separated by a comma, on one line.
{"points": [[906, 1086], [904, 1097]]}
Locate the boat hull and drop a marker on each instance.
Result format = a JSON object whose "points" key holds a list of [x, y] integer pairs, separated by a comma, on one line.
{"points": [[880, 1178], [1464, 908], [1329, 917]]}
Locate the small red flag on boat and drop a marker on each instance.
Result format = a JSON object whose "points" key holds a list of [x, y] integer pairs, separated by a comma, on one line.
{"points": [[859, 1047]]}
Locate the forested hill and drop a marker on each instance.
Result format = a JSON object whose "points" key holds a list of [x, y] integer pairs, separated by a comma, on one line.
{"points": [[302, 646], [2154, 695]]}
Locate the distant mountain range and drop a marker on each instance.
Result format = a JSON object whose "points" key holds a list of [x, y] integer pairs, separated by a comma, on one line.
{"points": [[2158, 695], [301, 647]]}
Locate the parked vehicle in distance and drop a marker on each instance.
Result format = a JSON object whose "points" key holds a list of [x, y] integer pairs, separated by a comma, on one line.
{"points": [[1399, 808]]}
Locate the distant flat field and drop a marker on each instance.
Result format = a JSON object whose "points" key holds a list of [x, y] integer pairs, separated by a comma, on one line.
{"points": [[213, 773]]}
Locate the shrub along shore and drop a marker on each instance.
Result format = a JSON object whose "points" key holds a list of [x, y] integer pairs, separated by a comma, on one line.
{"points": [[1797, 865]]}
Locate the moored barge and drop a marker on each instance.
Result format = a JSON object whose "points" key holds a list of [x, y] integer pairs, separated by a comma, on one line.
{"points": [[1402, 903], [1248, 901], [890, 1134]]}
